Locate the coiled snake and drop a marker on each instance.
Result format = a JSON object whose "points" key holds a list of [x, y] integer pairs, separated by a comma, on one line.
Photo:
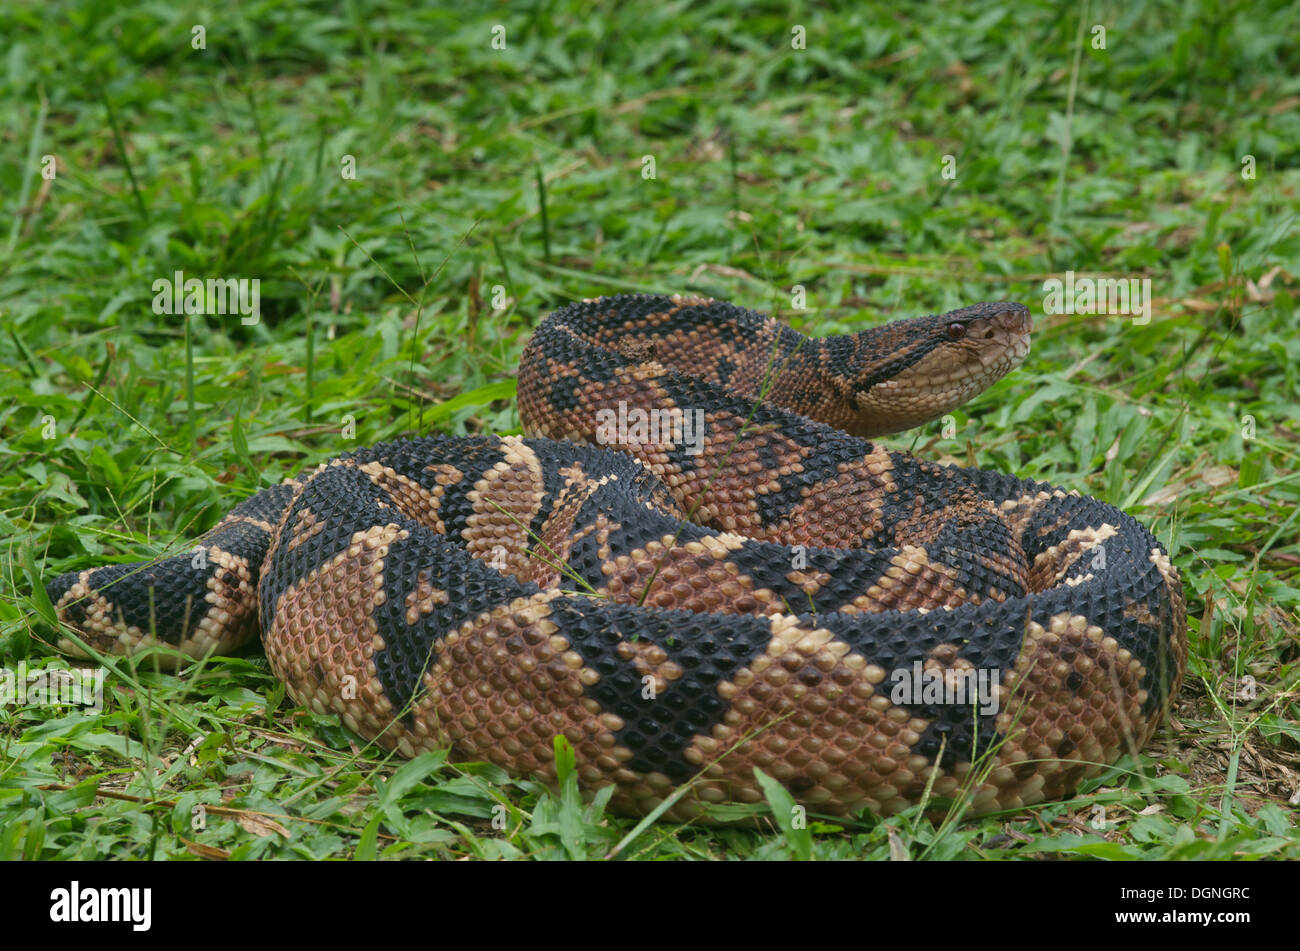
{"points": [[741, 586]]}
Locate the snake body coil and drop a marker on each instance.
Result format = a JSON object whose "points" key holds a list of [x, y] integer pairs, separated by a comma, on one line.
{"points": [[739, 587]]}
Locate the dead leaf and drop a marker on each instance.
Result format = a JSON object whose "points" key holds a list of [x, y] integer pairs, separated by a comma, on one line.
{"points": [[1162, 496], [1217, 476], [897, 850], [1113, 452], [260, 825], [205, 851]]}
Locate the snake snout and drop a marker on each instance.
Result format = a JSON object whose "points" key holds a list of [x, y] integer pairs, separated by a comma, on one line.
{"points": [[1015, 319], [1006, 332], [1007, 319]]}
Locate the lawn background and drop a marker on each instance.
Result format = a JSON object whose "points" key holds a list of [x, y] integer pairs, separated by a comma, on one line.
{"points": [[495, 184]]}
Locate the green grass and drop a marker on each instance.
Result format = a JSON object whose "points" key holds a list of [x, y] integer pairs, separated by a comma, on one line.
{"points": [[494, 185]]}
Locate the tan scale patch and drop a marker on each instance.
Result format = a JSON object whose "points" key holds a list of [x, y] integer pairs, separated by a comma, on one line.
{"points": [[810, 581], [1140, 613], [1075, 702], [304, 527], [811, 713], [231, 617], [956, 673], [246, 520], [688, 576], [1051, 564], [504, 686], [323, 638], [560, 532], [650, 660], [504, 502], [1018, 512], [409, 497], [423, 598], [557, 553], [723, 542], [913, 581]]}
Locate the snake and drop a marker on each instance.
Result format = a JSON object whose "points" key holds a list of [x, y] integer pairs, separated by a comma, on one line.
{"points": [[698, 571]]}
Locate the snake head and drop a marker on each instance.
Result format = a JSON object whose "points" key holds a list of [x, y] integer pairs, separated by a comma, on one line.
{"points": [[913, 371]]}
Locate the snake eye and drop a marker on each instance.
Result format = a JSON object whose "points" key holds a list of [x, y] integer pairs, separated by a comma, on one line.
{"points": [[956, 331]]}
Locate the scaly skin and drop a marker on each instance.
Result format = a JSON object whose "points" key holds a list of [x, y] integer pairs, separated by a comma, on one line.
{"points": [[488, 594]]}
